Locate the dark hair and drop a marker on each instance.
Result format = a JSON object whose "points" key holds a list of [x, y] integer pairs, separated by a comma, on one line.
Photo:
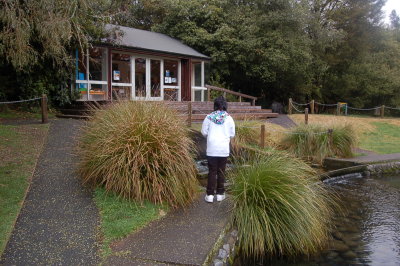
{"points": [[220, 104]]}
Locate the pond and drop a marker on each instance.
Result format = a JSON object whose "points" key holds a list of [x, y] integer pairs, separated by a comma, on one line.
{"points": [[368, 229]]}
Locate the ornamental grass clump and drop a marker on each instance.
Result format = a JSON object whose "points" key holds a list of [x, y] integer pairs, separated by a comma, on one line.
{"points": [[279, 208], [246, 134], [141, 151], [314, 143]]}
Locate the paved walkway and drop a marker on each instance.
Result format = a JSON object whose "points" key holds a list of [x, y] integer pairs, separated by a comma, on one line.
{"points": [[282, 120], [58, 221], [183, 237], [371, 159]]}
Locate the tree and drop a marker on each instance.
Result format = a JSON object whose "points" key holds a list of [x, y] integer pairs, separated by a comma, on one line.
{"points": [[394, 20], [37, 39]]}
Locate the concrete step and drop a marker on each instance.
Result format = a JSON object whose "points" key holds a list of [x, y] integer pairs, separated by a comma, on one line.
{"points": [[73, 116], [85, 112], [233, 111], [209, 103], [237, 116]]}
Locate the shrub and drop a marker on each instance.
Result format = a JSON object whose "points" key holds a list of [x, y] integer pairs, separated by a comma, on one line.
{"points": [[279, 208], [312, 143], [139, 150]]}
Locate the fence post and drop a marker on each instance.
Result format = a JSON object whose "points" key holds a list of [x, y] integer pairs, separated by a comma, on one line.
{"points": [[312, 106], [306, 116], [189, 113], [253, 102], [338, 109], [383, 111], [240, 99], [208, 95], [330, 136], [290, 106], [262, 137], [45, 118]]}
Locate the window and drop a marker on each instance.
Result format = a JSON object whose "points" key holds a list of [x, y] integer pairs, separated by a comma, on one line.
{"points": [[121, 68], [171, 73]]}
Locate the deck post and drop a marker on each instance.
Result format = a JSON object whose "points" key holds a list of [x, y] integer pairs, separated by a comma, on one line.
{"points": [[262, 137], [189, 114], [253, 102], [382, 111], [312, 106], [45, 118], [208, 95], [306, 116], [240, 99], [290, 106]]}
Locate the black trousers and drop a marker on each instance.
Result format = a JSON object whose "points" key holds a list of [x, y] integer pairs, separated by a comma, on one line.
{"points": [[216, 174]]}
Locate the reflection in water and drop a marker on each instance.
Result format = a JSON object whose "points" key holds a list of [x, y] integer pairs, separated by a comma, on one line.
{"points": [[381, 228], [367, 230]]}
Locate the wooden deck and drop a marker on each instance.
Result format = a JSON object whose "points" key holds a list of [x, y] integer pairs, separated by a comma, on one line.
{"points": [[238, 110]]}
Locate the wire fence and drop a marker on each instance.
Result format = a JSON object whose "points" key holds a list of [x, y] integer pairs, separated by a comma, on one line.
{"points": [[21, 101], [258, 127], [29, 104], [342, 109]]}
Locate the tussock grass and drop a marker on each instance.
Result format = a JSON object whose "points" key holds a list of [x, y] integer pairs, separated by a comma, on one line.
{"points": [[312, 144], [247, 132], [279, 207], [141, 151]]}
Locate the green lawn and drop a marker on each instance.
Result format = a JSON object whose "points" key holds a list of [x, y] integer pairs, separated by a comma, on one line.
{"points": [[384, 139], [19, 150], [120, 217]]}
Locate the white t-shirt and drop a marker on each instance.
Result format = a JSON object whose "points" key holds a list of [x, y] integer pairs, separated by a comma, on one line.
{"points": [[219, 128]]}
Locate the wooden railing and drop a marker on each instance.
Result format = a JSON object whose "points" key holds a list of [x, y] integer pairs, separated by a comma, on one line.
{"points": [[225, 91]]}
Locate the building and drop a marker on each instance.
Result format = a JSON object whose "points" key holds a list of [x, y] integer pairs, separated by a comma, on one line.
{"points": [[135, 64]]}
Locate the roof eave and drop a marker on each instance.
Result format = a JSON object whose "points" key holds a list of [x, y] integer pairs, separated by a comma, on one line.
{"points": [[157, 51]]}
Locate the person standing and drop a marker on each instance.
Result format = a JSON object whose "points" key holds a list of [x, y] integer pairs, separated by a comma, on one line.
{"points": [[218, 127]]}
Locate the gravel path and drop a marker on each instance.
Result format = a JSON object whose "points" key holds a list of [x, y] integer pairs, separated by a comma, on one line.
{"points": [[282, 120], [59, 220]]}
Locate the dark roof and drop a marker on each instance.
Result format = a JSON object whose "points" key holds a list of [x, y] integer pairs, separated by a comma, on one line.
{"points": [[149, 40]]}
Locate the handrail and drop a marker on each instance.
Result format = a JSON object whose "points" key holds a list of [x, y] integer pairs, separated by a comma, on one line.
{"points": [[252, 98]]}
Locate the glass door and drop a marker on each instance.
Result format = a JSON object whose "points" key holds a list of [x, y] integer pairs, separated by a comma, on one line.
{"points": [[155, 79], [172, 82], [147, 79], [140, 78]]}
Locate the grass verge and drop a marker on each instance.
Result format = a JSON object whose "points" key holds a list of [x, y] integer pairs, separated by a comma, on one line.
{"points": [[121, 217], [384, 139], [375, 134], [20, 147]]}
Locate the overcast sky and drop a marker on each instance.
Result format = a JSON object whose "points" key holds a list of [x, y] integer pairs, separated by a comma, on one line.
{"points": [[390, 5]]}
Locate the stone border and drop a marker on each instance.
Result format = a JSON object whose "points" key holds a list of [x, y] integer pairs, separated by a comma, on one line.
{"points": [[223, 252], [365, 170], [384, 168]]}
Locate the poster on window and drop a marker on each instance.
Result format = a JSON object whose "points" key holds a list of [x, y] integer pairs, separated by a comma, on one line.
{"points": [[116, 74], [167, 80]]}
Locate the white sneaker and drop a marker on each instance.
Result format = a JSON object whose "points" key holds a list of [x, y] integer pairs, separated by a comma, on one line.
{"points": [[220, 197], [209, 198]]}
